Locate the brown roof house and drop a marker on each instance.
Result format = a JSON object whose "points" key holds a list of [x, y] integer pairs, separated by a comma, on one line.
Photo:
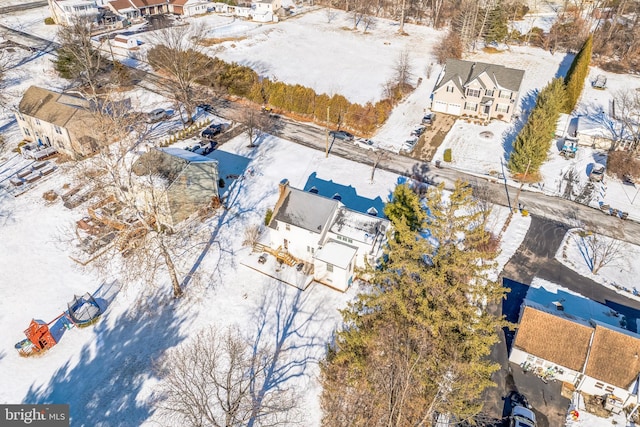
{"points": [[597, 358], [173, 183], [322, 231], [57, 120], [477, 89]]}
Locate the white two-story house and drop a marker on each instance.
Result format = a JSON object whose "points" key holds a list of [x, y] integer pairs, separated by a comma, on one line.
{"points": [[65, 12], [477, 89], [324, 232]]}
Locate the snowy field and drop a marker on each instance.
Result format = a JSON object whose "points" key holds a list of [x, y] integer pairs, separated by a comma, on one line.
{"points": [[105, 371]]}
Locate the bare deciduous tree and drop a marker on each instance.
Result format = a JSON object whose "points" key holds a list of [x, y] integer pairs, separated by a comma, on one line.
{"points": [[626, 105], [179, 53], [598, 250], [257, 124], [217, 380], [127, 220], [78, 58], [403, 71]]}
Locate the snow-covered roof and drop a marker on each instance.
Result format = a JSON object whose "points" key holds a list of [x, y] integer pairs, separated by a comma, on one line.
{"points": [[358, 226], [186, 155], [337, 253]]}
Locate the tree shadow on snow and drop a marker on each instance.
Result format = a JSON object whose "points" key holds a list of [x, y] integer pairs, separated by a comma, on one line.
{"points": [[509, 136], [287, 324], [564, 65], [102, 388]]}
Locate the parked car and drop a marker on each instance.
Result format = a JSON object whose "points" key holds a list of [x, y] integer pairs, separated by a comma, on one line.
{"points": [[597, 173], [193, 148], [522, 417], [418, 131], [367, 144], [157, 115], [208, 147], [341, 134], [206, 107], [428, 119]]}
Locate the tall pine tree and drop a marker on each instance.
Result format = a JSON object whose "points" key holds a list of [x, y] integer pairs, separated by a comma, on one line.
{"points": [[577, 74], [534, 140], [415, 342]]}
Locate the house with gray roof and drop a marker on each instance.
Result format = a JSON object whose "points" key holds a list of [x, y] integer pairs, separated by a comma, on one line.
{"points": [[325, 233], [477, 89], [57, 120], [173, 183]]}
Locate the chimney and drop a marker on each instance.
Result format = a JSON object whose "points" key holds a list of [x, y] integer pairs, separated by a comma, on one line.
{"points": [[283, 187]]}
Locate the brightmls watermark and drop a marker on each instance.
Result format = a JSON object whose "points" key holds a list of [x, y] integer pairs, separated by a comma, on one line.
{"points": [[34, 415]]}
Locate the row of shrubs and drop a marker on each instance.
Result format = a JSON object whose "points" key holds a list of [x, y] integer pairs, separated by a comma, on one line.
{"points": [[305, 103]]}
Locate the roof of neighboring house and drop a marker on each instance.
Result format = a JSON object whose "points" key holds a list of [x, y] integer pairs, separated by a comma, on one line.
{"points": [[120, 4], [553, 338], [461, 73], [336, 253], [614, 356], [148, 3], [305, 210], [167, 162], [51, 107]]}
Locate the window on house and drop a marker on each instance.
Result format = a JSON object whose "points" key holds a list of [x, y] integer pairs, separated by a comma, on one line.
{"points": [[20, 116], [345, 239], [609, 389], [330, 268], [599, 385], [473, 92], [26, 131], [501, 108], [505, 94], [287, 227], [470, 106], [46, 138], [489, 92], [37, 121], [450, 89], [58, 130]]}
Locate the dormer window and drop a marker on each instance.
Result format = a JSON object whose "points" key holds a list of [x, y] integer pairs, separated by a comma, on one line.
{"points": [[489, 92], [450, 89]]}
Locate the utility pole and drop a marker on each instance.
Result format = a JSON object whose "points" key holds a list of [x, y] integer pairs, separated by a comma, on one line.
{"points": [[516, 204], [326, 135], [506, 187]]}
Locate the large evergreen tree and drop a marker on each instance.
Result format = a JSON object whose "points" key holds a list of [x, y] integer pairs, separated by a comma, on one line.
{"points": [[578, 72], [534, 140], [415, 342]]}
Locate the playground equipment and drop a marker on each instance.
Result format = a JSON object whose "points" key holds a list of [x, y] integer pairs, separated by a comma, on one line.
{"points": [[41, 336]]}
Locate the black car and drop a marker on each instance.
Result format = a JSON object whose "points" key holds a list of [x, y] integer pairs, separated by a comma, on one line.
{"points": [[341, 134], [209, 147], [206, 107]]}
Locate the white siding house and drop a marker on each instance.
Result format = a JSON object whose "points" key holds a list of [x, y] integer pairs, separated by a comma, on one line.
{"points": [[323, 232], [64, 12]]}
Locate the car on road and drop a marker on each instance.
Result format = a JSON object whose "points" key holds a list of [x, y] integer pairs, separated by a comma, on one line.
{"points": [[365, 143], [157, 115], [214, 129], [341, 134]]}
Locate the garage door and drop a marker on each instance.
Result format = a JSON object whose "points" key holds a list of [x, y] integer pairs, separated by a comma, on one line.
{"points": [[439, 106], [455, 109]]}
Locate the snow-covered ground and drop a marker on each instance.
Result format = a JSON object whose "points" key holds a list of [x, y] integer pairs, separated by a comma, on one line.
{"points": [[105, 371]]}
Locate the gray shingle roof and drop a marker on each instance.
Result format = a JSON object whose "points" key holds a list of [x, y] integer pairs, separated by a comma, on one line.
{"points": [[306, 210], [457, 70]]}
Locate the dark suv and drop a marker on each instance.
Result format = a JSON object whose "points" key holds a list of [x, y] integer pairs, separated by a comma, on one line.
{"points": [[341, 134]]}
